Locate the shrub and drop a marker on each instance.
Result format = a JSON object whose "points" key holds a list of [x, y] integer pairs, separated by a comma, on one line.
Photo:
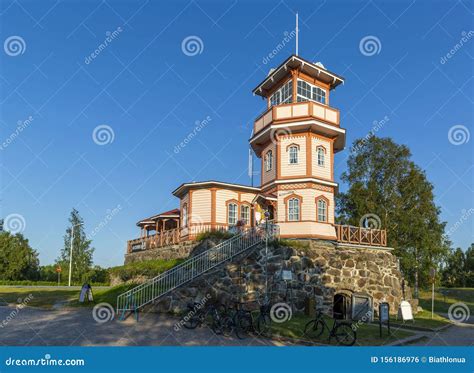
{"points": [[149, 268], [220, 235]]}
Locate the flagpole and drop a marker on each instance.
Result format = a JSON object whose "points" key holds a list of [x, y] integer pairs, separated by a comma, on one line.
{"points": [[296, 33]]}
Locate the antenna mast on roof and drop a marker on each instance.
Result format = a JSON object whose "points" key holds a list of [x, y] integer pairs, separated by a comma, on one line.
{"points": [[296, 33]]}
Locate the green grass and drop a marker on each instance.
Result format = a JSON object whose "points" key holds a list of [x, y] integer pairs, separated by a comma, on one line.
{"points": [[149, 268], [445, 297], [104, 296], [367, 335], [40, 297], [423, 320]]}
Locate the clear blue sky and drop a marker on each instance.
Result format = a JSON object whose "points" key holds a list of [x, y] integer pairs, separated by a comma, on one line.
{"points": [[151, 94]]}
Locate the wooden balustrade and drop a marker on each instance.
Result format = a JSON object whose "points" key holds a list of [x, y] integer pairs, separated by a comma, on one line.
{"points": [[171, 237], [361, 236]]}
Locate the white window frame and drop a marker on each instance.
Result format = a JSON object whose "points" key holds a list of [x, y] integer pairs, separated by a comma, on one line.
{"points": [[321, 154], [245, 214], [283, 95], [268, 161], [294, 209], [309, 92], [322, 210], [232, 214], [184, 217], [293, 154]]}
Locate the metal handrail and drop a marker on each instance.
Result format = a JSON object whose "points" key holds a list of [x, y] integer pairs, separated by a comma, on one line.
{"points": [[162, 284]]}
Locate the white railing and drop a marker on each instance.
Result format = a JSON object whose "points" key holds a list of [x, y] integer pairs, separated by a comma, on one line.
{"points": [[162, 284]]}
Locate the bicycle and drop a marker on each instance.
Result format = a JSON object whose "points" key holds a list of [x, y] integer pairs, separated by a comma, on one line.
{"points": [[220, 323], [342, 331], [242, 321]]}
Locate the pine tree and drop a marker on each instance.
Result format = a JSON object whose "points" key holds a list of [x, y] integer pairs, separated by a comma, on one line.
{"points": [[82, 251]]}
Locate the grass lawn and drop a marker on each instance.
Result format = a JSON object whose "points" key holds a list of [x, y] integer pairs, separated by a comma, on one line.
{"points": [[423, 320], [45, 297], [445, 297], [367, 335]]}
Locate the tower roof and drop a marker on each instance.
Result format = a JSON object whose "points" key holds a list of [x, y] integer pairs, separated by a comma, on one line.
{"points": [[312, 69]]}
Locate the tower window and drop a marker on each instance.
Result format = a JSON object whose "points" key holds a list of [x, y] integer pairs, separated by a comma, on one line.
{"points": [[184, 217], [309, 92], [269, 161], [294, 209], [293, 154], [321, 155], [232, 214], [245, 214], [283, 95], [322, 210]]}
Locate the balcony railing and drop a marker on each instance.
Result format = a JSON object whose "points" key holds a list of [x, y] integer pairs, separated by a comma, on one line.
{"points": [[361, 236], [154, 241], [298, 110]]}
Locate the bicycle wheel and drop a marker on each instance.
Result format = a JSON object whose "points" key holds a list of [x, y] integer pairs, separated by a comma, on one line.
{"points": [[243, 325], [314, 329], [227, 326], [192, 322], [345, 335], [264, 323]]}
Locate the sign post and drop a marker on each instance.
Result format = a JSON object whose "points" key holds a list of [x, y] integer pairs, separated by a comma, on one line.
{"points": [[384, 316], [433, 277], [58, 270]]}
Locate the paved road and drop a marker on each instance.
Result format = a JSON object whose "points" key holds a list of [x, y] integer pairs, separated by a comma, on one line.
{"points": [[77, 327], [456, 335]]}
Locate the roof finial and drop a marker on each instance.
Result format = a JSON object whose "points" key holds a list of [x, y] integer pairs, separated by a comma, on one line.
{"points": [[297, 33]]}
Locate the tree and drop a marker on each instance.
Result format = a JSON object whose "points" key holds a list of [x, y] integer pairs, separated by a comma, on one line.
{"points": [[454, 273], [469, 266], [82, 251], [18, 261], [386, 186]]}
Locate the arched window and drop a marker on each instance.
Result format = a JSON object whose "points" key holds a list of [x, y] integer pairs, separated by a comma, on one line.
{"points": [[293, 209], [268, 161], [232, 214], [321, 152], [184, 215], [245, 214], [293, 154], [322, 210]]}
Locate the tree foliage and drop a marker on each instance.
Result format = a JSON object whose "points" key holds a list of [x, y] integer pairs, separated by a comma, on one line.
{"points": [[82, 250], [385, 184], [18, 261], [459, 268]]}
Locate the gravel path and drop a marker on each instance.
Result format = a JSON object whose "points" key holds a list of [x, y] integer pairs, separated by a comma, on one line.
{"points": [[77, 327]]}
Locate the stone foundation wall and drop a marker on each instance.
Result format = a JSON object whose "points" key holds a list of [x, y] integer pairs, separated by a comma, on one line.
{"points": [[321, 269], [178, 251]]}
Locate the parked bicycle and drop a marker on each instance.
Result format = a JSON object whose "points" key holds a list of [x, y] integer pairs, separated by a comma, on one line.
{"points": [[219, 322], [341, 330]]}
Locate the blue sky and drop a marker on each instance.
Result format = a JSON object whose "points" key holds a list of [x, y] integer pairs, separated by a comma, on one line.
{"points": [[150, 94]]}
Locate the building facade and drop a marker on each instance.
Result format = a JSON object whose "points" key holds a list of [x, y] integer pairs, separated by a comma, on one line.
{"points": [[296, 140]]}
